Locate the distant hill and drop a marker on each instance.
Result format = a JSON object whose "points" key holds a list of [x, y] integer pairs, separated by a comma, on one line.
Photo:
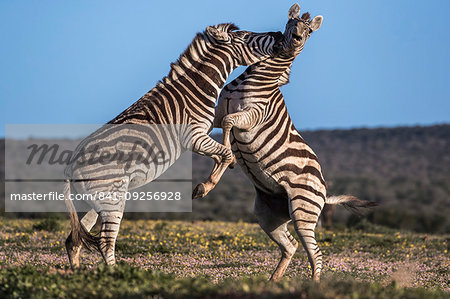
{"points": [[406, 169]]}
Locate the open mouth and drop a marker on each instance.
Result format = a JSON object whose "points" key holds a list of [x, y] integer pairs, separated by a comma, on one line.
{"points": [[296, 37]]}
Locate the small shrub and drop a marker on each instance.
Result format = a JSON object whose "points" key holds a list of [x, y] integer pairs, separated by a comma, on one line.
{"points": [[49, 224]]}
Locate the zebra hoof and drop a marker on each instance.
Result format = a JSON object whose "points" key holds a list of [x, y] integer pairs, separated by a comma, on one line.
{"points": [[233, 163], [199, 191]]}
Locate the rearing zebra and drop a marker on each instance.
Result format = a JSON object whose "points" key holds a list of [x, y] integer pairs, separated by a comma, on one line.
{"points": [[186, 96], [284, 169]]}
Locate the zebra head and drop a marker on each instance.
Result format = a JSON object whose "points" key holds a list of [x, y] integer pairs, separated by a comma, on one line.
{"points": [[246, 47], [299, 29]]}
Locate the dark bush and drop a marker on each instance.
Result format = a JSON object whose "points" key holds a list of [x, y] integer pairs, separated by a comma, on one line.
{"points": [[48, 224]]}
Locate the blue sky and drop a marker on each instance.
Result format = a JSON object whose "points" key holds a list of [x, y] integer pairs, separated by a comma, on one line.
{"points": [[372, 63]]}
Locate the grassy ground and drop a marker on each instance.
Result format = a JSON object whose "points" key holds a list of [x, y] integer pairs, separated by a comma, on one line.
{"points": [[219, 259]]}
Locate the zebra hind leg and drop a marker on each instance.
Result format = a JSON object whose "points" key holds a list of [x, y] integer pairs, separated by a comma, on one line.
{"points": [[111, 213], [110, 224], [305, 214], [275, 226], [73, 250]]}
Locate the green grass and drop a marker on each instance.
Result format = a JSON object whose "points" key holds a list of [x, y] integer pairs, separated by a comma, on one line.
{"points": [[128, 281], [180, 259]]}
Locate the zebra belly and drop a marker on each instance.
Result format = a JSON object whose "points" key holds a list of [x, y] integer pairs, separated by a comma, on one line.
{"points": [[261, 179], [138, 179], [136, 176], [253, 168]]}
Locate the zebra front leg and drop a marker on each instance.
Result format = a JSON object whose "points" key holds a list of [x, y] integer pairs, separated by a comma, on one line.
{"points": [[242, 120], [305, 205], [275, 226], [204, 145], [202, 189], [73, 250]]}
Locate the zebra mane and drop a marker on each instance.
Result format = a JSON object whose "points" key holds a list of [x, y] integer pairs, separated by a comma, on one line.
{"points": [[175, 67], [227, 27], [306, 17]]}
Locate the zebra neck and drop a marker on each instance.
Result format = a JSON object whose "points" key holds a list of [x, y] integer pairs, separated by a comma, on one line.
{"points": [[275, 70], [203, 65]]}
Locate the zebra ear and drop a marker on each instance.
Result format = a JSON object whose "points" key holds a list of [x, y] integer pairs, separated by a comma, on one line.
{"points": [[316, 23], [294, 11], [217, 34]]}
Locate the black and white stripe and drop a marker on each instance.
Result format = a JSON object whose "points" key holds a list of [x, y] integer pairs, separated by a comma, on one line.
{"points": [[284, 169], [186, 97]]}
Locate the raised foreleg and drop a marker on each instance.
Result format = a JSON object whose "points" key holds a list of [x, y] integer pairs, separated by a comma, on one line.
{"points": [[244, 120], [204, 145]]}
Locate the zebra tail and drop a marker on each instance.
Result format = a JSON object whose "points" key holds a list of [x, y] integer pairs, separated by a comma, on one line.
{"points": [[79, 233], [350, 202]]}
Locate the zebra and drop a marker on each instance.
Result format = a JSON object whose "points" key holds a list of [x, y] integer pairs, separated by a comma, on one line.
{"points": [[186, 96], [284, 170]]}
